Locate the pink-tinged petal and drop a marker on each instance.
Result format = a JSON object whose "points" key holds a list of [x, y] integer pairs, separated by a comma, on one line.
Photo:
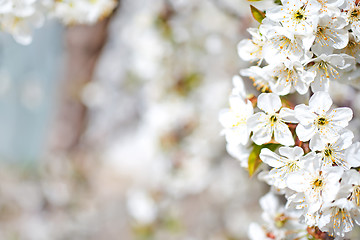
{"points": [[320, 102], [269, 102], [305, 133], [271, 158], [283, 135]]}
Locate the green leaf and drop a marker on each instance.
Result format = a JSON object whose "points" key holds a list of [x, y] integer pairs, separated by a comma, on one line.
{"points": [[278, 2], [254, 158], [257, 14]]}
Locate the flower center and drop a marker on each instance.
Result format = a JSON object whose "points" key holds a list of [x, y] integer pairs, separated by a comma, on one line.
{"points": [[280, 220], [299, 15], [354, 14], [355, 195], [321, 36], [327, 152], [292, 166], [351, 48], [329, 71], [321, 121], [318, 183], [273, 119], [340, 219], [240, 120]]}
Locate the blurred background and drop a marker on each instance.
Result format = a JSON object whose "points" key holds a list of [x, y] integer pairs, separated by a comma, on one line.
{"points": [[110, 131]]}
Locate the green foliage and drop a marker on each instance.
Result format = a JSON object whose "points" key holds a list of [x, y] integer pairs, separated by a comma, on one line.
{"points": [[254, 158], [257, 14]]}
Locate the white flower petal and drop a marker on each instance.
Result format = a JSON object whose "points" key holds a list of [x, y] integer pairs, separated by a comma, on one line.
{"points": [[320, 102], [271, 158], [283, 135], [341, 116], [288, 115], [306, 132], [269, 102], [291, 153]]}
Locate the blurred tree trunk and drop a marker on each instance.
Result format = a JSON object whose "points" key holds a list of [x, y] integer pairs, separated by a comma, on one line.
{"points": [[84, 45]]}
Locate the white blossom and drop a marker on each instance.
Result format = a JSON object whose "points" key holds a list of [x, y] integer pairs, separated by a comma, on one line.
{"points": [[338, 217], [330, 33], [330, 7], [304, 43], [282, 44], [259, 76], [271, 122], [234, 120], [83, 11], [317, 122], [329, 68], [352, 14], [251, 49], [299, 17], [291, 160], [350, 187], [20, 17], [290, 76], [319, 185], [239, 87], [334, 153], [352, 48], [239, 152]]}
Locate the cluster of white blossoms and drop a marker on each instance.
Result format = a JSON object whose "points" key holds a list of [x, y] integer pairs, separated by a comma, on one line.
{"points": [[300, 47], [20, 17], [83, 11]]}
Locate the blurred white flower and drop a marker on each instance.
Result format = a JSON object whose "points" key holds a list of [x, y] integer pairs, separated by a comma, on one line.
{"points": [[141, 206], [234, 120]]}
